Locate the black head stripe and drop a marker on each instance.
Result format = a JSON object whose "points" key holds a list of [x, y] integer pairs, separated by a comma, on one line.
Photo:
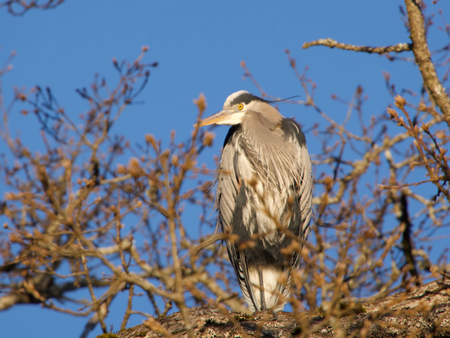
{"points": [[246, 98]]}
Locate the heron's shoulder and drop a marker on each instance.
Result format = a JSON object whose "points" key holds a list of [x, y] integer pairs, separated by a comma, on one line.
{"points": [[293, 131]]}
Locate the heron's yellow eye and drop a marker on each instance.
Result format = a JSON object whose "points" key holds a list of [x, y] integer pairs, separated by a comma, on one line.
{"points": [[241, 106]]}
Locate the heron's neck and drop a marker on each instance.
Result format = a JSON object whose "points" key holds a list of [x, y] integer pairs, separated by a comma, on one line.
{"points": [[258, 125]]}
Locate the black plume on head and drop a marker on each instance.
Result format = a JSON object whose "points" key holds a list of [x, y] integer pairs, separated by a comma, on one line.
{"points": [[246, 98]]}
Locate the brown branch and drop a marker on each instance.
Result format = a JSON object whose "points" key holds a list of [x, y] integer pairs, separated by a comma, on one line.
{"points": [[126, 317], [413, 131], [423, 58], [424, 309], [41, 284], [401, 47]]}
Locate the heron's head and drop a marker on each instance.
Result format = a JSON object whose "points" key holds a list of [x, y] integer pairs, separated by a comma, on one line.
{"points": [[236, 106]]}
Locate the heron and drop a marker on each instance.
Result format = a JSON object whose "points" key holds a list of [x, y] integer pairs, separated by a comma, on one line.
{"points": [[263, 197]]}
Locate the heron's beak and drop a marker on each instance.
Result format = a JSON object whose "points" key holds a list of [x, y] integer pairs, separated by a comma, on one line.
{"points": [[223, 117]]}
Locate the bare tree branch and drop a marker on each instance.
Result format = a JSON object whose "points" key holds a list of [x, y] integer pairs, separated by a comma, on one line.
{"points": [[422, 56], [425, 311], [401, 47]]}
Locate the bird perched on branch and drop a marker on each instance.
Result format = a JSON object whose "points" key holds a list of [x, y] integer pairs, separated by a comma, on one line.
{"points": [[264, 197]]}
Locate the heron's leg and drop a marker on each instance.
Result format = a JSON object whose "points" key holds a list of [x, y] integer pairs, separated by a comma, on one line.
{"points": [[261, 285], [275, 315]]}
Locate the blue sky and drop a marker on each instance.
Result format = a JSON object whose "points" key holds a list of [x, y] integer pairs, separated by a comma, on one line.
{"points": [[199, 46]]}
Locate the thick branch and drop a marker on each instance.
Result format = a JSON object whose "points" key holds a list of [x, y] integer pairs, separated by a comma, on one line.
{"points": [[423, 58], [423, 312], [401, 47]]}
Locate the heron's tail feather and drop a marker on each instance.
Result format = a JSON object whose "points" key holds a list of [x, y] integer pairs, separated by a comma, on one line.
{"points": [[275, 285]]}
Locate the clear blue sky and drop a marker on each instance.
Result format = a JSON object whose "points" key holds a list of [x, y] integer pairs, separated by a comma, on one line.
{"points": [[199, 46]]}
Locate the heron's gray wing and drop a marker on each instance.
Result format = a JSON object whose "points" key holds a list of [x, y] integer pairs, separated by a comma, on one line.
{"points": [[303, 186], [230, 201], [228, 184]]}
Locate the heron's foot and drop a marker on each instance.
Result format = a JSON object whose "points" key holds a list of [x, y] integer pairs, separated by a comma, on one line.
{"points": [[275, 315], [265, 314]]}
